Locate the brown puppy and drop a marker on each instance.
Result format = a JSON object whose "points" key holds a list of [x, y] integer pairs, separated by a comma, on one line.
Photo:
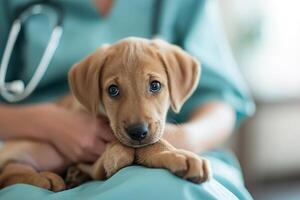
{"points": [[132, 83]]}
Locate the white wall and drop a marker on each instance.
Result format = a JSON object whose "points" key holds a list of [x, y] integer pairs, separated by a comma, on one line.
{"points": [[272, 64]]}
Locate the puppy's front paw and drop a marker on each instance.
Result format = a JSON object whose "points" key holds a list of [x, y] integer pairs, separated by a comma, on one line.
{"points": [[189, 166], [117, 158]]}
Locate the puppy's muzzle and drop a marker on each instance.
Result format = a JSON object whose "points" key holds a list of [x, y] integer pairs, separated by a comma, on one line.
{"points": [[137, 131]]}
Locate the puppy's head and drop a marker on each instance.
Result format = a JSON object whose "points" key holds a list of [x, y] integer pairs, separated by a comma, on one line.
{"points": [[134, 81]]}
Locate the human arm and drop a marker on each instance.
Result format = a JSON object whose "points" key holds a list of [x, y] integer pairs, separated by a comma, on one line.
{"points": [[221, 100], [209, 126], [77, 135]]}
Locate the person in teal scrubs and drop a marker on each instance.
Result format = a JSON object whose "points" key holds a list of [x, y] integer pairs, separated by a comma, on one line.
{"points": [[220, 103]]}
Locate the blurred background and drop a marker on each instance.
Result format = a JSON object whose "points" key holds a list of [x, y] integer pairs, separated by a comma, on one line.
{"points": [[265, 38]]}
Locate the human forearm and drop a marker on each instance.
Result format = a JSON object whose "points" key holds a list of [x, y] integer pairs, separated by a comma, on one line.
{"points": [[17, 122], [209, 126], [77, 135]]}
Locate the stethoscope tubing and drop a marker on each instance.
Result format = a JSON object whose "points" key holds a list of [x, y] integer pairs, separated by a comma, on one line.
{"points": [[16, 91]]}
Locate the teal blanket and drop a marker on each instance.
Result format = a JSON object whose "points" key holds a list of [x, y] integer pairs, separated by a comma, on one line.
{"points": [[142, 183]]}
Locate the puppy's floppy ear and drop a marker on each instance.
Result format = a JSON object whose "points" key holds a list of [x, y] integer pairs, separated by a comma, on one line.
{"points": [[183, 72], [84, 79]]}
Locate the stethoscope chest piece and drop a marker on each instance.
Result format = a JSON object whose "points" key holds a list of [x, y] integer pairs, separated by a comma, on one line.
{"points": [[16, 90]]}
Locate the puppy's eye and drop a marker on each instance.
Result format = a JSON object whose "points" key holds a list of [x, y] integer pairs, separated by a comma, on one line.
{"points": [[155, 86], [113, 90]]}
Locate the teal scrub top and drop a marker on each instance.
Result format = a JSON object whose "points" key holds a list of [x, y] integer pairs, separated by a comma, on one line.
{"points": [[191, 24]]}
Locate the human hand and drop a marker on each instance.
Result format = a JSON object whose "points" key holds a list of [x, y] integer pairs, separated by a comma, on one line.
{"points": [[77, 135]]}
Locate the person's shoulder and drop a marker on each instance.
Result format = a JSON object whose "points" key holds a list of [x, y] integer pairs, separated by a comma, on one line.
{"points": [[192, 4], [190, 7]]}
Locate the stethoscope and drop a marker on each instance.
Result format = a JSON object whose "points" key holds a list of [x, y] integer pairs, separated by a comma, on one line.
{"points": [[16, 90]]}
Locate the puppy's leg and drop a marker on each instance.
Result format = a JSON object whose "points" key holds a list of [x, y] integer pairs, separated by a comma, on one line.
{"points": [[115, 157], [75, 177], [183, 163], [14, 173]]}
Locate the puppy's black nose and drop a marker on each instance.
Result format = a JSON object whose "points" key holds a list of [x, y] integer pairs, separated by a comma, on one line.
{"points": [[137, 131]]}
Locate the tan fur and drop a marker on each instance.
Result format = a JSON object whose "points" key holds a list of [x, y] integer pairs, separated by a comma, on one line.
{"points": [[22, 173], [131, 64]]}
